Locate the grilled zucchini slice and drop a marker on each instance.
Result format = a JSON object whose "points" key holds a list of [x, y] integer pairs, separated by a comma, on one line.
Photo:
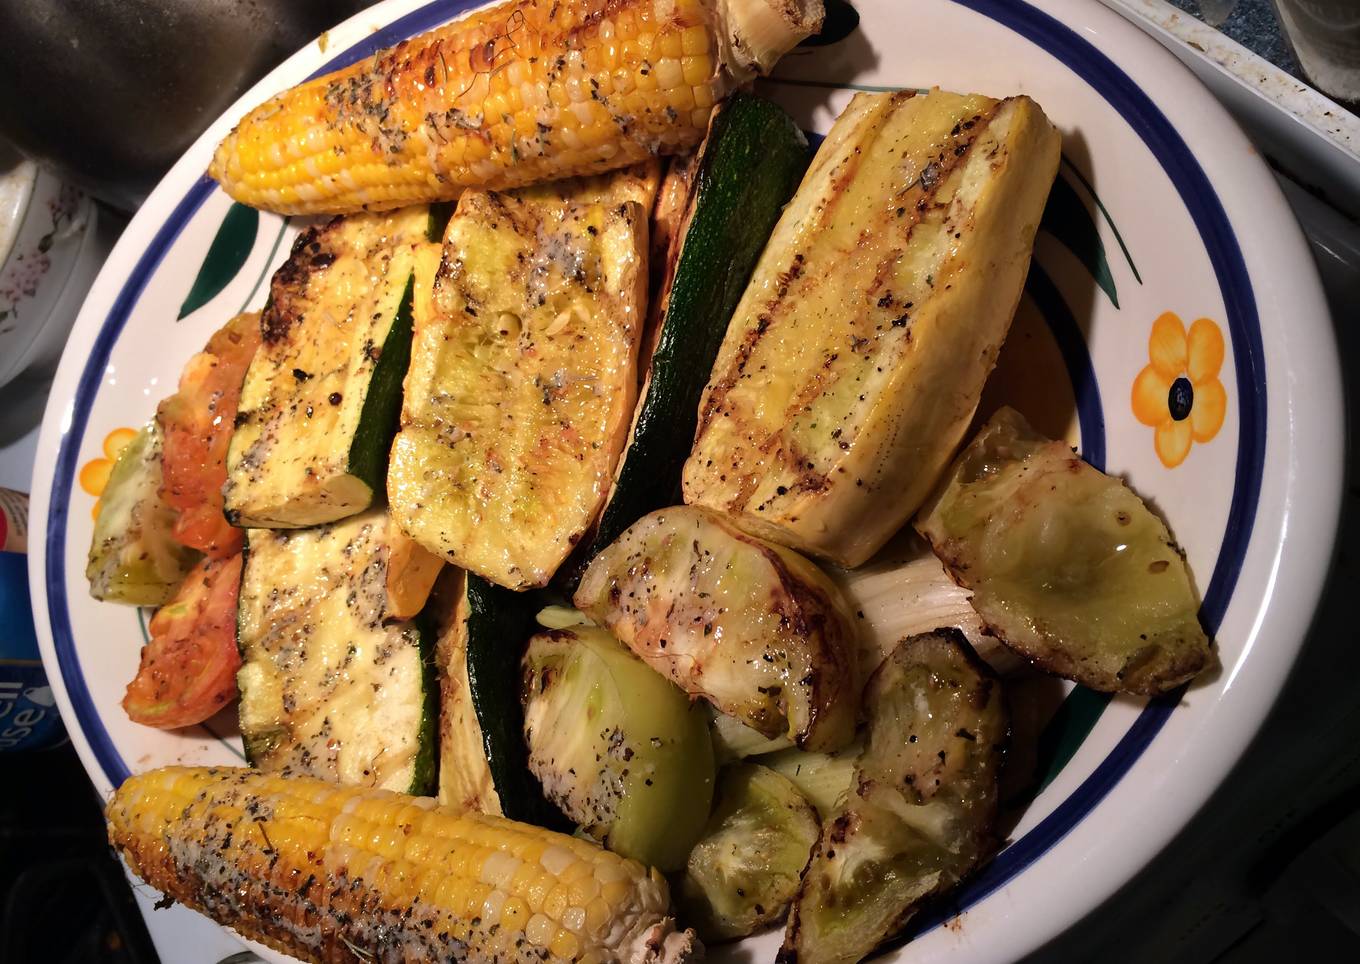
{"points": [[521, 384], [858, 352], [743, 873], [617, 747], [921, 811], [134, 557], [752, 627], [1068, 567], [465, 778], [320, 399], [330, 686], [749, 166], [483, 759]]}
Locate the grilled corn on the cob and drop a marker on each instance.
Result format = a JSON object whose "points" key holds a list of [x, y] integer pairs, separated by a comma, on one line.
{"points": [[526, 91], [329, 873]]}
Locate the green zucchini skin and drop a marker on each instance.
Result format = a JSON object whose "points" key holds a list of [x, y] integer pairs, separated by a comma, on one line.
{"points": [[753, 160], [440, 212], [382, 405], [499, 624], [425, 767]]}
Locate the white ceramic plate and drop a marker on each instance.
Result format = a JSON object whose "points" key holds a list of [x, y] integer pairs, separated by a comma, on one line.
{"points": [[1162, 207]]}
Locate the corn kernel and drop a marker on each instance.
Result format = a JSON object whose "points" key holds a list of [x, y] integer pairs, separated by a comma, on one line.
{"points": [[615, 892], [574, 919], [669, 73], [597, 916], [515, 914], [669, 45], [583, 890], [565, 945], [557, 901], [536, 894], [540, 930], [696, 40]]}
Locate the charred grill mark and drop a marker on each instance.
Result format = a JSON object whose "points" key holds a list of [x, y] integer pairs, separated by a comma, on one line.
{"points": [[716, 397], [313, 250], [596, 15]]}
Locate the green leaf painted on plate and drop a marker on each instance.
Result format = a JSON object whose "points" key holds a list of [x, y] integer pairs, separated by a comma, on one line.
{"points": [[1067, 219], [226, 256], [1060, 739], [1104, 213]]}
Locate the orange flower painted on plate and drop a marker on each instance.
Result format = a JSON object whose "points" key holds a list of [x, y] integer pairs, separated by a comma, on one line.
{"points": [[1179, 393], [94, 474]]}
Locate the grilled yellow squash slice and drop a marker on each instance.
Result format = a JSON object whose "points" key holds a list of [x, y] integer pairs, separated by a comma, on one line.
{"points": [[752, 627], [522, 382], [857, 355], [1067, 566], [320, 398], [638, 183]]}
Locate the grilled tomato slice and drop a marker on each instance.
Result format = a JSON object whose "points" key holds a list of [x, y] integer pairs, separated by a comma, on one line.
{"points": [[197, 423], [188, 669]]}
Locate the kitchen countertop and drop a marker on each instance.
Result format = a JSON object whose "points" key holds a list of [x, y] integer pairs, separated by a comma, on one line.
{"points": [[1252, 23]]}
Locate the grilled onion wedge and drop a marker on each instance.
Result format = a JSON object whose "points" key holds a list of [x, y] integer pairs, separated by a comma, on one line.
{"points": [[752, 627], [1068, 567], [857, 354]]}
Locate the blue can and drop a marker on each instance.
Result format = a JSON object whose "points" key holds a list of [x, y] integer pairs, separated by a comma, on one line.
{"points": [[28, 710]]}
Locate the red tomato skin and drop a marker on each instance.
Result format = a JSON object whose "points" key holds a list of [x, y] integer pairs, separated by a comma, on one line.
{"points": [[197, 422], [188, 668]]}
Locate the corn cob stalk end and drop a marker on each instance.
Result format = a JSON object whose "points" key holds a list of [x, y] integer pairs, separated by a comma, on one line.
{"points": [[756, 33]]}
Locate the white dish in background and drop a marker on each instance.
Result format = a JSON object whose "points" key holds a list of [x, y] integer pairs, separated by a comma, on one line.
{"points": [[1315, 139], [1188, 220], [50, 251]]}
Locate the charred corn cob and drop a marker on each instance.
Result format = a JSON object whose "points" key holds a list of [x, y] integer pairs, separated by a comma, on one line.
{"points": [[526, 91], [329, 873]]}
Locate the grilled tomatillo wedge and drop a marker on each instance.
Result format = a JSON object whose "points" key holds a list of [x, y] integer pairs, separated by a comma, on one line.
{"points": [[618, 748], [743, 873], [920, 813], [752, 627], [1068, 567]]}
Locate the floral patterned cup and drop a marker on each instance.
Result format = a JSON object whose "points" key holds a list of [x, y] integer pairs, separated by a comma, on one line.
{"points": [[50, 250]]}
